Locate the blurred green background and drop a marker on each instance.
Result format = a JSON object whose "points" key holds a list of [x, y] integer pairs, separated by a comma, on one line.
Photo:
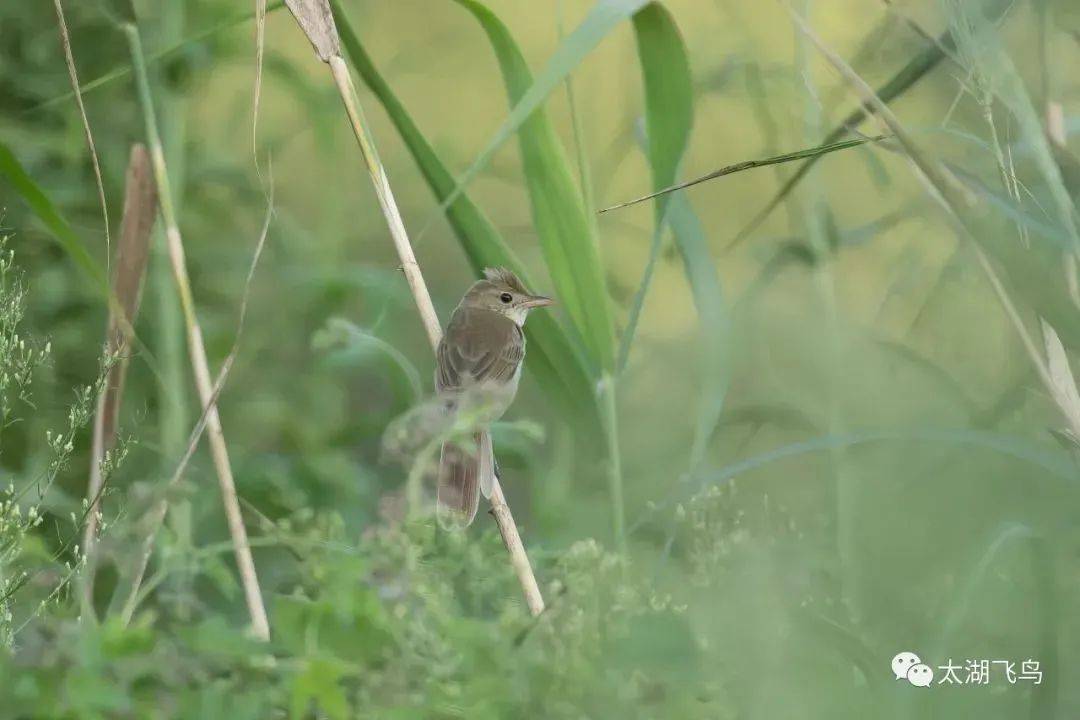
{"points": [[888, 471]]}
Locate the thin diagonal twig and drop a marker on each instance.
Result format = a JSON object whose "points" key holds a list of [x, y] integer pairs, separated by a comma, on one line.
{"points": [[751, 164], [69, 59]]}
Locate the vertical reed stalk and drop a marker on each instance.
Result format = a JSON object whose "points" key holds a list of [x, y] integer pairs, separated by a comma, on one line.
{"points": [[609, 416], [385, 196], [197, 351], [317, 22], [846, 487], [519, 560], [169, 325]]}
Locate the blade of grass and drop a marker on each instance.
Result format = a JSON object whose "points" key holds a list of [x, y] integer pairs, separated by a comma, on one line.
{"points": [[197, 351], [669, 115], [1064, 390], [848, 644], [48, 214], [260, 47], [713, 318], [665, 90], [132, 253], [604, 16], [325, 40], [811, 153], [340, 332], [915, 70], [553, 354], [578, 127], [669, 106], [565, 231], [177, 414], [607, 387], [1006, 445], [65, 45]]}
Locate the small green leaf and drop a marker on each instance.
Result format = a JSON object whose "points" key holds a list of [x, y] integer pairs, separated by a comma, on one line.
{"points": [[669, 105], [319, 683], [49, 215]]}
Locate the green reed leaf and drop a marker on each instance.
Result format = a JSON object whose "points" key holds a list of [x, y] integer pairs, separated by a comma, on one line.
{"points": [[566, 233], [604, 16], [46, 211], [669, 113]]}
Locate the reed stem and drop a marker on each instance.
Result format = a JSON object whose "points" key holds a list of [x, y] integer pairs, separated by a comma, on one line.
{"points": [[196, 350], [609, 415], [519, 560]]}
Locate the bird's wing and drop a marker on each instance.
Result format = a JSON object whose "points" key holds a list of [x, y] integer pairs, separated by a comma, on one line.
{"points": [[478, 349]]}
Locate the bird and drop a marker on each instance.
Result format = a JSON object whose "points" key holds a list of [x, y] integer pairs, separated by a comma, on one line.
{"points": [[480, 356]]}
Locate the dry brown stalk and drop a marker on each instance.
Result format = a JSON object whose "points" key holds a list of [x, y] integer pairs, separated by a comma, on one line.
{"points": [[132, 252]]}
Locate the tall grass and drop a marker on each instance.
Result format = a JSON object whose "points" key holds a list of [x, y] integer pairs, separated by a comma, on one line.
{"points": [[316, 19], [196, 347], [850, 433]]}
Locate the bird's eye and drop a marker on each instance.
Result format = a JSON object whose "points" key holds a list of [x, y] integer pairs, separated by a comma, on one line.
{"points": [[506, 297]]}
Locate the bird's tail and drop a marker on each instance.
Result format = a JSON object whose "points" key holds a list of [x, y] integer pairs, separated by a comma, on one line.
{"points": [[466, 469]]}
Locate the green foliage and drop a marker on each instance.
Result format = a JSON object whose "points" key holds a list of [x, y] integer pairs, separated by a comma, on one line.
{"points": [[23, 559], [565, 232], [553, 355], [406, 624], [856, 346], [47, 212], [669, 114]]}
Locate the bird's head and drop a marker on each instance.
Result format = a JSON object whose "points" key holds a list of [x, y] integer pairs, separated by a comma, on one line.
{"points": [[502, 291]]}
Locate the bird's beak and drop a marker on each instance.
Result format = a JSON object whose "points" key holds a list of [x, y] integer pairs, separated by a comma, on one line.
{"points": [[537, 301]]}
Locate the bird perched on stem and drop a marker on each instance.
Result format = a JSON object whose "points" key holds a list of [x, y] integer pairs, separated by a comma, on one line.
{"points": [[480, 356]]}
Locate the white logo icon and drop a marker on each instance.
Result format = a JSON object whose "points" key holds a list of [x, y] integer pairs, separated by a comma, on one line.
{"points": [[903, 662], [920, 675]]}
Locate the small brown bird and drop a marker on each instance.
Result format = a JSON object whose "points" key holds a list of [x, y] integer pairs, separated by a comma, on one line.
{"points": [[480, 354]]}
